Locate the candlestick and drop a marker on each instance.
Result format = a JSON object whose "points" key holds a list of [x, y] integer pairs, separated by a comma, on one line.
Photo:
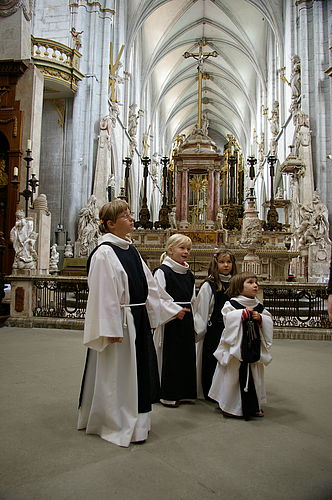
{"points": [[29, 144]]}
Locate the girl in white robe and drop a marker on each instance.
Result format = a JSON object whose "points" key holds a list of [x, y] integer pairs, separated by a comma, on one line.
{"points": [[120, 381], [238, 386], [208, 319]]}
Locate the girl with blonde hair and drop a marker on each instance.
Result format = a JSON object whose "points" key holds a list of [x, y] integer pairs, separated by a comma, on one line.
{"points": [[175, 339]]}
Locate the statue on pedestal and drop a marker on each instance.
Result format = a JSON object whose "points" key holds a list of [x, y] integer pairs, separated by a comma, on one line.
{"points": [[88, 226], [24, 239], [172, 218], [314, 225], [54, 259], [68, 251]]}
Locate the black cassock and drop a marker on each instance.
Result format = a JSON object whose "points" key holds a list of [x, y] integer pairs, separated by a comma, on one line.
{"points": [[178, 376], [212, 336]]}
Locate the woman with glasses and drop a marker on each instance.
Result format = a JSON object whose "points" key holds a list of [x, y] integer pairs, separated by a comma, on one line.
{"points": [[120, 380]]}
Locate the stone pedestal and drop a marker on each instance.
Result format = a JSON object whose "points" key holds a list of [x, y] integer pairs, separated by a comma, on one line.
{"points": [[22, 296]]}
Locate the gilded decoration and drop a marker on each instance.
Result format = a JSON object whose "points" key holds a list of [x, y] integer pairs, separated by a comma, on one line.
{"points": [[92, 7], [58, 62], [3, 175]]}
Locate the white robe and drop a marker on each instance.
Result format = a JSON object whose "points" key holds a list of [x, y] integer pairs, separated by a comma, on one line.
{"points": [[204, 305], [109, 403], [225, 386]]}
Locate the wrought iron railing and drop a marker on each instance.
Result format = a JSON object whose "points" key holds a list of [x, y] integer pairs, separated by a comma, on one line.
{"points": [[297, 305], [59, 298], [292, 305]]}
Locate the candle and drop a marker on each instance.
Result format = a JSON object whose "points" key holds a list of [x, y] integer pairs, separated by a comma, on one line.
{"points": [[122, 183], [251, 150], [29, 144], [15, 171]]}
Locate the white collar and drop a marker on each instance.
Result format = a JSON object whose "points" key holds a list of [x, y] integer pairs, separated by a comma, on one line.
{"points": [[225, 277], [120, 242], [175, 266], [246, 301]]}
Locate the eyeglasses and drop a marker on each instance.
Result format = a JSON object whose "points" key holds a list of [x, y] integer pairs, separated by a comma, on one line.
{"points": [[127, 216]]}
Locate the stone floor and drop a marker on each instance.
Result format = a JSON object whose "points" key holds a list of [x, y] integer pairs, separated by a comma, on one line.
{"points": [[193, 453]]}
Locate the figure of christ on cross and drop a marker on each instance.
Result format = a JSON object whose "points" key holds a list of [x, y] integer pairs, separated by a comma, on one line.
{"points": [[200, 56], [114, 77]]}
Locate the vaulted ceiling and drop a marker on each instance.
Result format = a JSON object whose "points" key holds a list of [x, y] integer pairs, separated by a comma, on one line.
{"points": [[240, 31]]}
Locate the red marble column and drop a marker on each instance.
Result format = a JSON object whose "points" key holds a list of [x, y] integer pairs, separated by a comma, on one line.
{"points": [[210, 196], [178, 194], [184, 196]]}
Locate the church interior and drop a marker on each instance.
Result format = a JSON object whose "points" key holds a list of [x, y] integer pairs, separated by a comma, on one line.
{"points": [[211, 118]]}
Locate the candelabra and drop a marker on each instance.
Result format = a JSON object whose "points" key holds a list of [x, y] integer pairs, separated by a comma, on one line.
{"points": [[272, 223], [127, 161], [144, 214], [231, 221], [163, 221], [232, 163], [31, 184], [252, 162]]}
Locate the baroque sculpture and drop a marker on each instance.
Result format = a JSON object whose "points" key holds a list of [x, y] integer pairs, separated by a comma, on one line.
{"points": [[88, 226], [24, 239], [54, 259]]}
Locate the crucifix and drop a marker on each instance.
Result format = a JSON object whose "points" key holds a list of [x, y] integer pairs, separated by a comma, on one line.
{"points": [[200, 56], [114, 78]]}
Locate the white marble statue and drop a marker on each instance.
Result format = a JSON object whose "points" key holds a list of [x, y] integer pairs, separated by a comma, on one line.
{"points": [[205, 124], [172, 218], [54, 259], [295, 79], [145, 143], [314, 224], [220, 219], [295, 83], [133, 119], [252, 233], [108, 122], [24, 239], [279, 194], [274, 119], [68, 250], [88, 226]]}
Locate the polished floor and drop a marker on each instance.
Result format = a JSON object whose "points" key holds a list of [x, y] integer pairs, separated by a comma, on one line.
{"points": [[193, 453]]}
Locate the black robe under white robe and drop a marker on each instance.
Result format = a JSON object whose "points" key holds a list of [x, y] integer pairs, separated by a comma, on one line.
{"points": [[226, 384]]}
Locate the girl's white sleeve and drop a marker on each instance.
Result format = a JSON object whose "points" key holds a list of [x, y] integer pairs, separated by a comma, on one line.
{"points": [[203, 309]]}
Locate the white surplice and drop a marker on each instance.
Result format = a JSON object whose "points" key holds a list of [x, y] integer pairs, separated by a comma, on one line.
{"points": [[109, 403], [225, 386]]}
